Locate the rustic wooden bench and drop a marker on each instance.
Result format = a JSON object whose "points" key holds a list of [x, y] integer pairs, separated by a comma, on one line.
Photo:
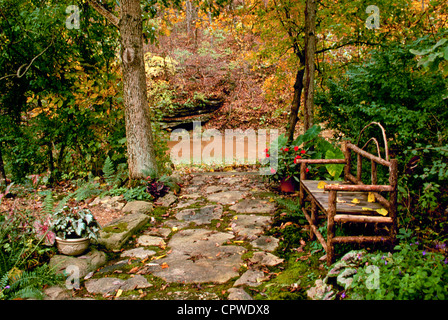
{"points": [[336, 198]]}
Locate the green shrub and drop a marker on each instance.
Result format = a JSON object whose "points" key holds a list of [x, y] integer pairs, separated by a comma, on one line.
{"points": [[23, 272], [407, 274]]}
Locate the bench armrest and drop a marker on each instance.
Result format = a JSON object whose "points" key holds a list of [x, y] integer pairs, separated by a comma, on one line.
{"points": [[364, 188], [321, 161]]}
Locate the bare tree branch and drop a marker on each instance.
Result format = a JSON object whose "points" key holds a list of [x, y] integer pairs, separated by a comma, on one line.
{"points": [[104, 12], [20, 74]]}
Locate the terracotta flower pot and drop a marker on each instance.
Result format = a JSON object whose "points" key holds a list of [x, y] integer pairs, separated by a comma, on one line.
{"points": [[287, 185], [72, 247]]}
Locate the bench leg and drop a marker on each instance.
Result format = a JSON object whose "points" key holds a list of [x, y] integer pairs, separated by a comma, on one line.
{"points": [[313, 219], [330, 226]]}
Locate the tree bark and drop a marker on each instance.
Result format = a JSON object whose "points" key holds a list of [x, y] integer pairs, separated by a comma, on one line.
{"points": [[140, 145], [310, 49], [295, 105]]}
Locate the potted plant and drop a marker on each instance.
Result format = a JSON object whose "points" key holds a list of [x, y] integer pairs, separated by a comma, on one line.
{"points": [[74, 228], [287, 172]]}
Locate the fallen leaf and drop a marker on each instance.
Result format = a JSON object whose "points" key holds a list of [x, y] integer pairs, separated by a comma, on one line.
{"points": [[238, 241], [371, 197], [366, 209], [382, 211], [355, 200], [164, 265], [134, 270], [321, 184], [340, 201], [119, 292]]}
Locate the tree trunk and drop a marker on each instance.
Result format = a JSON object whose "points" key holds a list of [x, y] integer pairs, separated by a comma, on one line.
{"points": [[310, 49], [140, 146], [295, 105], [2, 168]]}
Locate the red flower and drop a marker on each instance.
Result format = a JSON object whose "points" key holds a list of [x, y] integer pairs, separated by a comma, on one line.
{"points": [[302, 151], [266, 150], [267, 155], [286, 149], [298, 157], [273, 171], [307, 170], [296, 148]]}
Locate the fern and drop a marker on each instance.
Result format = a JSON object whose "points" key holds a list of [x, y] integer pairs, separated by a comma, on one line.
{"points": [[48, 203], [109, 172], [86, 191]]}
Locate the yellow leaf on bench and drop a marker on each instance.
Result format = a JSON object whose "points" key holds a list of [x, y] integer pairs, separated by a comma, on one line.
{"points": [[340, 201], [321, 185], [366, 209], [371, 197], [382, 211], [355, 200]]}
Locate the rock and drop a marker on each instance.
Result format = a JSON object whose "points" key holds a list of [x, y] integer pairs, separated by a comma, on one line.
{"points": [[163, 232], [136, 282], [86, 263], [176, 224], [225, 197], [140, 253], [249, 206], [238, 294], [104, 285], [213, 189], [251, 278], [109, 202], [193, 196], [265, 259], [266, 243], [167, 200], [138, 207], [116, 233], [197, 256], [109, 285], [56, 293], [202, 215], [250, 226], [146, 240]]}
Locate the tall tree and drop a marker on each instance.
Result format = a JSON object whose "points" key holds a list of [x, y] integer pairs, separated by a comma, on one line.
{"points": [[310, 50], [140, 145]]}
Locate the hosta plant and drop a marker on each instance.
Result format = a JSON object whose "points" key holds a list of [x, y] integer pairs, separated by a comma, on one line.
{"points": [[70, 223]]}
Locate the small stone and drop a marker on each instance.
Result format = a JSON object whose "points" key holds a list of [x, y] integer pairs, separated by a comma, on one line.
{"points": [[251, 278], [266, 243], [249, 206], [167, 200], [104, 285], [140, 253], [138, 207], [136, 282], [238, 294], [145, 240], [86, 263], [56, 293], [200, 216], [265, 259], [225, 197]]}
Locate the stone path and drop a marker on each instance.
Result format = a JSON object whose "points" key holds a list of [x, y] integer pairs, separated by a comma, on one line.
{"points": [[212, 233]]}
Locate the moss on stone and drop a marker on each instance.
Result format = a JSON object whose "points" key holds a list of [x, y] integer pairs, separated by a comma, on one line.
{"points": [[116, 228]]}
